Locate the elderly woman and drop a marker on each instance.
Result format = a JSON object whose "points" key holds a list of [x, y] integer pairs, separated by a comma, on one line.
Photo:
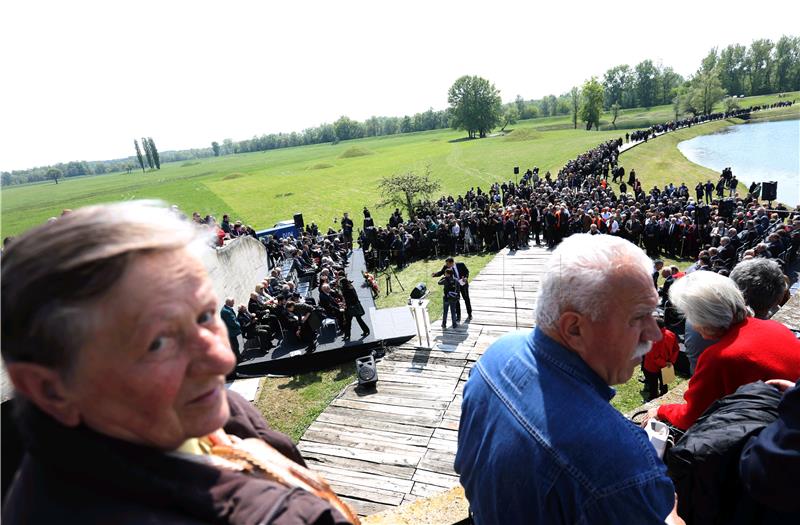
{"points": [[113, 342], [747, 349]]}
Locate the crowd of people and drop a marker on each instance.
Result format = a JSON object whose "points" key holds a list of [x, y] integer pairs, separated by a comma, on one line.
{"points": [[283, 307], [666, 221]]}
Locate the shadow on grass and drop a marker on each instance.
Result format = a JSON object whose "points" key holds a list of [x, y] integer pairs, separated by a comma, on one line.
{"points": [[344, 371], [302, 381], [462, 139]]}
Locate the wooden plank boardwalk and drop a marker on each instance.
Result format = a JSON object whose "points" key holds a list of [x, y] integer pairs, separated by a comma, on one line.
{"points": [[398, 443]]}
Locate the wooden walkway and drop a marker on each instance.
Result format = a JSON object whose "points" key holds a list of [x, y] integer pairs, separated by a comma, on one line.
{"points": [[398, 444]]}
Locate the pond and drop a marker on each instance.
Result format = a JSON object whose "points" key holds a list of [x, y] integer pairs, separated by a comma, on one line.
{"points": [[762, 151]]}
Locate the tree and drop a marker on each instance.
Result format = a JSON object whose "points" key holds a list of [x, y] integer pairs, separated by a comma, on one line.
{"points": [[731, 69], [406, 126], [614, 114], [347, 129], [575, 102], [552, 103], [730, 103], [215, 147], [55, 174], [668, 83], [139, 154], [758, 65], [617, 84], [147, 153], [646, 82], [475, 105], [520, 103], [510, 116], [677, 102], [706, 91], [591, 103], [544, 108], [787, 59], [154, 153], [405, 189]]}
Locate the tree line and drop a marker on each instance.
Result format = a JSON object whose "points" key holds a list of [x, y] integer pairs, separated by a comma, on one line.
{"points": [[763, 67]]}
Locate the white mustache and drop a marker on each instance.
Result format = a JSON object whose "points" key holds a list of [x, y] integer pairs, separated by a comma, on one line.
{"points": [[641, 349]]}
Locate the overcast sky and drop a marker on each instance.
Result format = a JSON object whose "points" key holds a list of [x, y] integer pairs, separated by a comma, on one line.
{"points": [[81, 80]]}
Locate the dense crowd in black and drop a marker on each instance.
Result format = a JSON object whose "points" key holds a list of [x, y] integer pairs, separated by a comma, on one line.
{"points": [[666, 221]]}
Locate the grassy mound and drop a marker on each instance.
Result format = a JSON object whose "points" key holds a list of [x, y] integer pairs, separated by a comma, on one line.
{"points": [[521, 134], [355, 151], [233, 176], [321, 166], [190, 163]]}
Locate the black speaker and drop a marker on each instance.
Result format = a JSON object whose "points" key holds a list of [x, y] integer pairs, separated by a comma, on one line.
{"points": [[298, 221], [366, 371], [419, 291], [769, 191], [516, 170]]}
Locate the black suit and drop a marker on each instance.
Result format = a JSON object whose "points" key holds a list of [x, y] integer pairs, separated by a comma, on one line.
{"points": [[460, 271]]}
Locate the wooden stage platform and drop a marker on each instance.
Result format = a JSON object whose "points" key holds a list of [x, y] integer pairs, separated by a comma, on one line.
{"points": [[398, 443]]}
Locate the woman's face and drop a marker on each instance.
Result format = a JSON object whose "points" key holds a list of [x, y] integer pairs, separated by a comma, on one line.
{"points": [[154, 370]]}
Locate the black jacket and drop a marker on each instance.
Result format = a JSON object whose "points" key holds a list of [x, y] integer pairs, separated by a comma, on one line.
{"points": [[461, 268], [704, 463]]}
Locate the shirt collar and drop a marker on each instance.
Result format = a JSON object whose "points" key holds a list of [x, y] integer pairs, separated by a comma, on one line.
{"points": [[568, 361]]}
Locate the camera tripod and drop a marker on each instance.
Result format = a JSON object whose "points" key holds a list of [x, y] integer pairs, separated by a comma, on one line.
{"points": [[389, 273]]}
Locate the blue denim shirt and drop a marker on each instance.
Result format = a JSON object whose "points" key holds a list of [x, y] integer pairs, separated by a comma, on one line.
{"points": [[539, 443]]}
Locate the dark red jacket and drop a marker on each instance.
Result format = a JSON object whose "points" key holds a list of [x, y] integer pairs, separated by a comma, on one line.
{"points": [[752, 350], [75, 475], [663, 352]]}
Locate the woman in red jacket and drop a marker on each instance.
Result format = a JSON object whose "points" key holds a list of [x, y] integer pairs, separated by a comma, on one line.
{"points": [[748, 349], [662, 353]]}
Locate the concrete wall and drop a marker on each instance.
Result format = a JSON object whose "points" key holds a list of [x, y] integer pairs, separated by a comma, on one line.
{"points": [[236, 268]]}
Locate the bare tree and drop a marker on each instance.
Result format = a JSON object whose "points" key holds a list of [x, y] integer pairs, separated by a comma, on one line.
{"points": [[406, 189]]}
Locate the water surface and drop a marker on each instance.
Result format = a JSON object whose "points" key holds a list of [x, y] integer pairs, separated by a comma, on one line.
{"points": [[761, 151]]}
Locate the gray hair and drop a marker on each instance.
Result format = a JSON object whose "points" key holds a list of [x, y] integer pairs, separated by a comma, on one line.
{"points": [[53, 272], [761, 282], [576, 275], [709, 300]]}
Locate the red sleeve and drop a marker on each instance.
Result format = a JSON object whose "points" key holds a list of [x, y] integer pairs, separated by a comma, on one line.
{"points": [[705, 387], [674, 350]]}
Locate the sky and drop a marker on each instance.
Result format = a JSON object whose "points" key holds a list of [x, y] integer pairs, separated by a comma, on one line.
{"points": [[82, 79]]}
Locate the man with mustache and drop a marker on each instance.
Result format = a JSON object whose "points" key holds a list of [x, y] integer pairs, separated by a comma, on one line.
{"points": [[536, 423]]}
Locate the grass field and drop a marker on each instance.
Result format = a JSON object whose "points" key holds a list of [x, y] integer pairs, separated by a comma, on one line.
{"points": [[291, 404], [322, 181]]}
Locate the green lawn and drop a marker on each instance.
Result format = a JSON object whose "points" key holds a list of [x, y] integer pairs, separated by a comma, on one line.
{"points": [[291, 404], [420, 272], [322, 181]]}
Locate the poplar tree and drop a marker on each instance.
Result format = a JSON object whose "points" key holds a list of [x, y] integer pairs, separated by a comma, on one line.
{"points": [[139, 154], [147, 152], [154, 153]]}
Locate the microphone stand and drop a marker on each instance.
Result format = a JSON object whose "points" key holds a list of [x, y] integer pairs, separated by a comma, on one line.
{"points": [[514, 290]]}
